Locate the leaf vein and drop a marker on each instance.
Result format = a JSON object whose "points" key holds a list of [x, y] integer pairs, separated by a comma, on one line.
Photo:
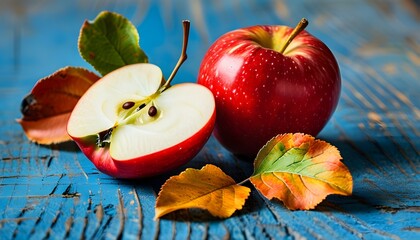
{"points": [[287, 185]]}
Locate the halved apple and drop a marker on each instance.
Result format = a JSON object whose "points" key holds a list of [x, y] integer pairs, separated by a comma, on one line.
{"points": [[130, 127], [132, 123]]}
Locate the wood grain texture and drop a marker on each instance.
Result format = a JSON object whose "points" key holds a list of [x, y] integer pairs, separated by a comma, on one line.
{"points": [[55, 192]]}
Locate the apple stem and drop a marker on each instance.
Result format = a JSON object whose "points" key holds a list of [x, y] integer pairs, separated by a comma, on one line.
{"points": [[183, 57], [299, 28]]}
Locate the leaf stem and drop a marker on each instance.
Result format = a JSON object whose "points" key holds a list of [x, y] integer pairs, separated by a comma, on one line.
{"points": [[183, 57], [299, 28], [243, 182]]}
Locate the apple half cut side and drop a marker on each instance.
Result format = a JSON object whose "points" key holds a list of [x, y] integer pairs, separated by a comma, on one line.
{"points": [[130, 128]]}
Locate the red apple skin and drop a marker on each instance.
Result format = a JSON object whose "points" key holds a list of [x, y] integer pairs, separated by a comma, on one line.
{"points": [[147, 165], [261, 92]]}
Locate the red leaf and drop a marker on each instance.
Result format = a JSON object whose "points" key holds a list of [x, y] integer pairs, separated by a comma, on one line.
{"points": [[47, 107]]}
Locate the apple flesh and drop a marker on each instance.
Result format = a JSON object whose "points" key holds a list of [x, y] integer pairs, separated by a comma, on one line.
{"points": [[129, 127], [262, 89]]}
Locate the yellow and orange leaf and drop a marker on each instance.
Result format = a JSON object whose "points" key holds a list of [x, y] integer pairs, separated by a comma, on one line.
{"points": [[208, 188], [46, 109], [300, 171]]}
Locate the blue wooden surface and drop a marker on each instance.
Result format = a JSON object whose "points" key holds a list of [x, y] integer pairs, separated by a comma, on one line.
{"points": [[55, 192]]}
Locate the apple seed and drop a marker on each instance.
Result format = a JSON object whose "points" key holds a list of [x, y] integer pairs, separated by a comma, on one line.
{"points": [[141, 107], [128, 105], [152, 111]]}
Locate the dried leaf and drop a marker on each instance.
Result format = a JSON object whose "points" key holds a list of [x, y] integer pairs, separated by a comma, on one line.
{"points": [[300, 171], [208, 188], [109, 42], [46, 109]]}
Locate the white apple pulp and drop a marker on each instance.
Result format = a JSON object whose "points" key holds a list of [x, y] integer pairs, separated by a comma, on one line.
{"points": [[182, 111]]}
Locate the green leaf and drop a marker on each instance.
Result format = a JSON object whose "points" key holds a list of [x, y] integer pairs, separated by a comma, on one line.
{"points": [[110, 42]]}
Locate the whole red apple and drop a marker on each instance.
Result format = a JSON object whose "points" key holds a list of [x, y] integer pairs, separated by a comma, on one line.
{"points": [[269, 80]]}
